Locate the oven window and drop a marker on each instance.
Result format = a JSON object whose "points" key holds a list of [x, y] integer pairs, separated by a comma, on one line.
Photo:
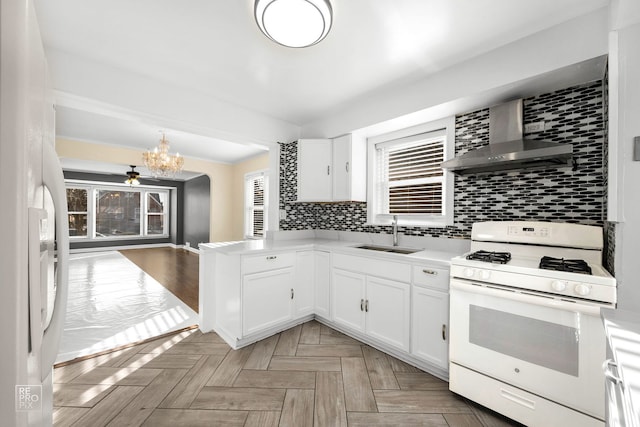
{"points": [[543, 343]]}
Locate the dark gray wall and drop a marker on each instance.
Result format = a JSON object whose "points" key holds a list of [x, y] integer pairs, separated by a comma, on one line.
{"points": [[197, 202], [176, 212]]}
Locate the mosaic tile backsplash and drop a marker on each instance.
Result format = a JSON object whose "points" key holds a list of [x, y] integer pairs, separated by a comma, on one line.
{"points": [[575, 115]]}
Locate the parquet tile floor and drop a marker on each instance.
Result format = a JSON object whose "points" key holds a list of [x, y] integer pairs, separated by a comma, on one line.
{"points": [[309, 375]]}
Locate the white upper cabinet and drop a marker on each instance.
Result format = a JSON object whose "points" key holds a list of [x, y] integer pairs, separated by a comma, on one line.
{"points": [[331, 170], [349, 170], [314, 170]]}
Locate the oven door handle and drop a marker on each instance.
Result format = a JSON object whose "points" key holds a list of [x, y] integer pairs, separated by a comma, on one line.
{"points": [[590, 309]]}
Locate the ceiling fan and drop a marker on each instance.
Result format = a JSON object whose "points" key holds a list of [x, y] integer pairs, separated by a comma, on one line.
{"points": [[132, 176]]}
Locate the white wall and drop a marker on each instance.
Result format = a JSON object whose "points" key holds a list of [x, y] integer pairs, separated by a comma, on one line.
{"points": [[624, 126], [185, 110], [577, 40]]}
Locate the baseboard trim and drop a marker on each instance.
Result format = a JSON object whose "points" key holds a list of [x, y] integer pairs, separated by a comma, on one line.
{"points": [[143, 246], [123, 247], [189, 248]]}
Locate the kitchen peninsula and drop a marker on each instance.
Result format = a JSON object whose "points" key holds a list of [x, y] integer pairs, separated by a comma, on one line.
{"points": [[396, 302]]}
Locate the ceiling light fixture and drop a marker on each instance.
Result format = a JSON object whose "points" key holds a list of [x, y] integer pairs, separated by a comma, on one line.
{"points": [[160, 162], [132, 177], [294, 23]]}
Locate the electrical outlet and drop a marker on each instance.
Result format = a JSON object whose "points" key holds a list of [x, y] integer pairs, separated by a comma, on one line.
{"points": [[534, 127], [283, 214]]}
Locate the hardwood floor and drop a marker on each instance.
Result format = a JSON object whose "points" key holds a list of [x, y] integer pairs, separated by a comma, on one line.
{"points": [[175, 269], [309, 375]]}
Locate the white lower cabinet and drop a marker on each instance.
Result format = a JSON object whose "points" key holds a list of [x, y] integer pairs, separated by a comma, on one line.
{"points": [[304, 287], [322, 281], [348, 296], [430, 326], [400, 306], [388, 307], [377, 307], [267, 299]]}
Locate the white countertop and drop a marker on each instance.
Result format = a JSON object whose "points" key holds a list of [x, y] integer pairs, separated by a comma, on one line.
{"points": [[623, 332], [248, 247]]}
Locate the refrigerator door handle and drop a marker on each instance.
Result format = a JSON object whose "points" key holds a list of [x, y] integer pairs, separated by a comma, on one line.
{"points": [[53, 179]]}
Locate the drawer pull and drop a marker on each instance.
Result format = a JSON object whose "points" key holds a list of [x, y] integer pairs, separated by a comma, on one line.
{"points": [[272, 257], [361, 305], [444, 332], [432, 272], [520, 400], [328, 170], [291, 293]]}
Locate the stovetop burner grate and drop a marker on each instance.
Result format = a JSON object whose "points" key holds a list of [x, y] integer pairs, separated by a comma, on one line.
{"points": [[486, 256], [561, 264]]}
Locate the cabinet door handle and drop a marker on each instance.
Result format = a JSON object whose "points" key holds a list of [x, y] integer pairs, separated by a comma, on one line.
{"points": [[608, 373], [444, 332], [291, 293], [272, 257], [366, 306], [361, 305], [346, 165], [432, 272], [328, 170]]}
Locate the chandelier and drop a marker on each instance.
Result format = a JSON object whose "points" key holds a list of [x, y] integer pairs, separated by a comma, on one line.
{"points": [[160, 162], [294, 23]]}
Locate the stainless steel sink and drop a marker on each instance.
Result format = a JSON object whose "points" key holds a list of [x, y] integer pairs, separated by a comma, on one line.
{"points": [[392, 249]]}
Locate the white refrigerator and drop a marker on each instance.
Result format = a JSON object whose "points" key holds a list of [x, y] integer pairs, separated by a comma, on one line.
{"points": [[33, 223]]}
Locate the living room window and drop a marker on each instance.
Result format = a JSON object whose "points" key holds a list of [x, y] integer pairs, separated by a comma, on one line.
{"points": [[405, 177], [78, 210], [255, 194], [98, 212]]}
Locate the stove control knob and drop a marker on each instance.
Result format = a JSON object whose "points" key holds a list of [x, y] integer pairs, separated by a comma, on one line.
{"points": [[582, 289], [559, 285], [484, 274], [469, 272]]}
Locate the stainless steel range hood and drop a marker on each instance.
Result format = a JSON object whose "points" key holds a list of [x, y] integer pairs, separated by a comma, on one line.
{"points": [[507, 148]]}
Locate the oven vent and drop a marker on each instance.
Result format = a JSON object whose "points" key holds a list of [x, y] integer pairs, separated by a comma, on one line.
{"points": [[508, 149]]}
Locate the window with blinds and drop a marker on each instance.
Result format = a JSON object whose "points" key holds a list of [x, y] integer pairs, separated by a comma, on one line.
{"points": [[411, 180], [405, 177], [255, 196]]}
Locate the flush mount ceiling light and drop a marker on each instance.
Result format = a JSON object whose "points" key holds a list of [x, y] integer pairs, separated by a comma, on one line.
{"points": [[294, 23], [132, 176]]}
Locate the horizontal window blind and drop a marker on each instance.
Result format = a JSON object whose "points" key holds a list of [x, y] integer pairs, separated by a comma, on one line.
{"points": [[410, 179], [258, 191], [255, 199], [258, 222]]}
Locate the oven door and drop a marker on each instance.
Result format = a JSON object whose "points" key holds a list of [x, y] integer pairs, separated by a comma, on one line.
{"points": [[549, 347]]}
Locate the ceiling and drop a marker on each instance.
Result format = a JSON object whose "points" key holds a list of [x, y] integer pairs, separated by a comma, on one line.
{"points": [[212, 50]]}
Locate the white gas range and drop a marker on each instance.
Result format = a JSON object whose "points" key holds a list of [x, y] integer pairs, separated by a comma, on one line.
{"points": [[526, 338]]}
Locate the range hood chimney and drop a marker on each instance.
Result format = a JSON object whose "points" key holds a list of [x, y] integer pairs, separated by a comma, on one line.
{"points": [[508, 149]]}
